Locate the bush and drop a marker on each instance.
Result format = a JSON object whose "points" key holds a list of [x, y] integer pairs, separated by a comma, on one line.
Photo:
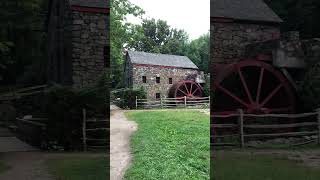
{"points": [[64, 110], [126, 98]]}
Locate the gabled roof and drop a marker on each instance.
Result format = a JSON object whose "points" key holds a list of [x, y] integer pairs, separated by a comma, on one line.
{"points": [[90, 3], [161, 60], [250, 10]]}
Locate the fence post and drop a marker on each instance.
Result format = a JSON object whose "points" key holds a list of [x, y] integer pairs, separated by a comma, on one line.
{"points": [[136, 102], [84, 129], [241, 127], [161, 103], [185, 101], [318, 117]]}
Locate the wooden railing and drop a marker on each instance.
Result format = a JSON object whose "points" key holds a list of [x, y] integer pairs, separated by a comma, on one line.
{"points": [[242, 126], [93, 126], [18, 93], [184, 102]]}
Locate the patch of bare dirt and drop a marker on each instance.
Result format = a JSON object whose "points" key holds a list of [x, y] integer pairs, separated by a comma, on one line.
{"points": [[121, 130]]}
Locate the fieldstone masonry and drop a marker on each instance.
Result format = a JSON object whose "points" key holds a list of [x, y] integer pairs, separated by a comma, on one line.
{"points": [[78, 41], [89, 38], [229, 40]]}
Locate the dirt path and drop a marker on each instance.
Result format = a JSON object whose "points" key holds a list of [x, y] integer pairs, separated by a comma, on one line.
{"points": [[25, 166], [121, 130]]}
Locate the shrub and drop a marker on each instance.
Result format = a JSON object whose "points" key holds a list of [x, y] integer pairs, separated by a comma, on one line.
{"points": [[127, 97], [64, 110]]}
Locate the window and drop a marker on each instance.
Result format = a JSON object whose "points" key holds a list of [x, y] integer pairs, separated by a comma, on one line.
{"points": [[157, 95], [144, 79], [106, 56], [170, 80], [158, 79]]}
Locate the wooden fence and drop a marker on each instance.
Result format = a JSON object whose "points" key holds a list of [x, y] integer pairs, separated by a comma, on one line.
{"points": [[310, 120], [183, 102], [18, 93], [94, 133]]}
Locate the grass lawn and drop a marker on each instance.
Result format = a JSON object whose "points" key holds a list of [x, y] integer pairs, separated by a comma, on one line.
{"points": [[170, 145], [231, 166], [79, 168]]}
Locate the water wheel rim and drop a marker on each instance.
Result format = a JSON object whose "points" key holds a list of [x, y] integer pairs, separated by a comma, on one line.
{"points": [[255, 103]]}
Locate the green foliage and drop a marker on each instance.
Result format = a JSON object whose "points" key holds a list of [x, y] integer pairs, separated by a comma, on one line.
{"points": [[119, 35], [170, 145], [157, 37], [81, 167], [198, 51], [128, 97], [22, 39], [64, 108]]}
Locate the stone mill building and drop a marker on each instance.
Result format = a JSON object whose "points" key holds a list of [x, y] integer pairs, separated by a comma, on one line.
{"points": [[157, 73], [78, 41]]}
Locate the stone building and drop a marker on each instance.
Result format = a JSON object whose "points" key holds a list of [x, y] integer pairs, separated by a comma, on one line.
{"points": [[157, 73], [78, 41], [235, 24]]}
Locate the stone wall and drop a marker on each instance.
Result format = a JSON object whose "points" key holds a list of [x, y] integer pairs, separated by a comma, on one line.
{"points": [[90, 35], [151, 87], [229, 40]]}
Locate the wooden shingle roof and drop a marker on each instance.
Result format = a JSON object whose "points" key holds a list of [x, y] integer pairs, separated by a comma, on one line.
{"points": [[161, 60], [248, 10]]}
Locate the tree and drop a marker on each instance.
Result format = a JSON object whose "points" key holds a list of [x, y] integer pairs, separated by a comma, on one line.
{"points": [[22, 38], [198, 51], [157, 37], [119, 35]]}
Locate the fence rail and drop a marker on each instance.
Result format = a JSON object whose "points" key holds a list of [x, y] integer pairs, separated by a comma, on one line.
{"points": [[242, 126], [183, 102], [91, 126], [18, 93]]}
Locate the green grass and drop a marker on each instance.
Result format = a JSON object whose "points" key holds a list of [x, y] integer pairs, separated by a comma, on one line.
{"points": [[231, 166], [170, 145], [79, 168]]}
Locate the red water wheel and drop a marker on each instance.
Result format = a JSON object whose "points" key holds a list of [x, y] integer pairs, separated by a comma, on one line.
{"points": [[254, 86], [190, 89]]}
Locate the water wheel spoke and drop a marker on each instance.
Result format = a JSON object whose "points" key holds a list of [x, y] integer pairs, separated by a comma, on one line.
{"points": [[271, 95], [185, 85], [231, 95], [195, 91], [191, 89], [259, 85], [244, 83], [182, 92]]}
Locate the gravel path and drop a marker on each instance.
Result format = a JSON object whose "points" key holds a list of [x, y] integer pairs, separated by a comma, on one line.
{"points": [[121, 130]]}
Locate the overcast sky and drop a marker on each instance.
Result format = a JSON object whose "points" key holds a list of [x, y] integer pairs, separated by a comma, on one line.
{"points": [[191, 15]]}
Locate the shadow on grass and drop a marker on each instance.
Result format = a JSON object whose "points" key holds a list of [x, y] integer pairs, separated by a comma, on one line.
{"points": [[80, 167], [229, 165]]}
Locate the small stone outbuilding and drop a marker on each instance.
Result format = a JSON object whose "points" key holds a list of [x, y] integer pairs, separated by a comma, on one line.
{"points": [[78, 41], [157, 73]]}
